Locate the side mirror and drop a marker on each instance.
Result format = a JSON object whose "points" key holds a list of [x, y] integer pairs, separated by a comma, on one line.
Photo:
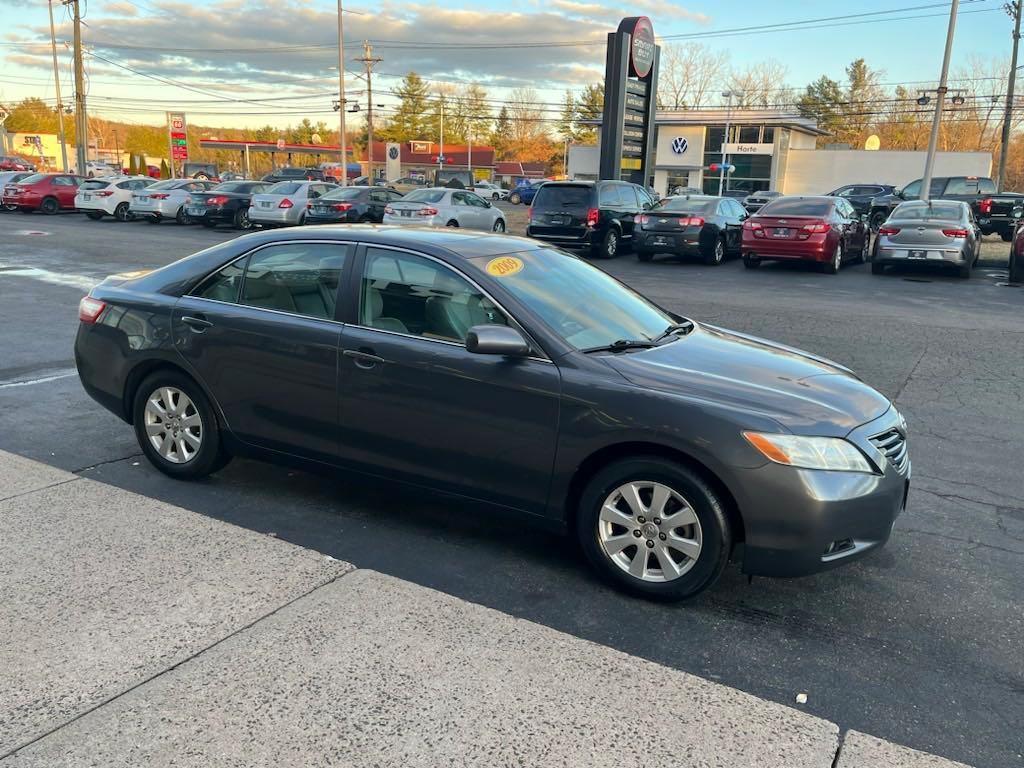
{"points": [[496, 340], [487, 203]]}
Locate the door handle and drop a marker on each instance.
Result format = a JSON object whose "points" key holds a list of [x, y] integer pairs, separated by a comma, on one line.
{"points": [[197, 324], [364, 360]]}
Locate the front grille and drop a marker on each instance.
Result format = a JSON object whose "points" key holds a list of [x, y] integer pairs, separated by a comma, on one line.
{"points": [[893, 444]]}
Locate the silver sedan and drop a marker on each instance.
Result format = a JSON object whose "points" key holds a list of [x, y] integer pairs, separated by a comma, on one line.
{"points": [[286, 202], [941, 232], [444, 207]]}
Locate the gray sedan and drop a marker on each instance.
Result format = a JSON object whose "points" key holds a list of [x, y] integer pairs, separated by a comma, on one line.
{"points": [[505, 370], [941, 232], [444, 207], [286, 202]]}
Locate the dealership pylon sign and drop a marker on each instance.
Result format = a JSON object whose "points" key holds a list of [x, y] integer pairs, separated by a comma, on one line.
{"points": [[177, 138], [631, 86]]}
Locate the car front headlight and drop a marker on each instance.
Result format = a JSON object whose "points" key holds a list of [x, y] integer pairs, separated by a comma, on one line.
{"points": [[831, 453]]}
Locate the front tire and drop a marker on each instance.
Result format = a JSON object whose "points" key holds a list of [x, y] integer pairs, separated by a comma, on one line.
{"points": [[654, 527], [176, 426], [1007, 236], [514, 198], [499, 226], [750, 261]]}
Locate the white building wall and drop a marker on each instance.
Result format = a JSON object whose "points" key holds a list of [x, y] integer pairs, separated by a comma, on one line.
{"points": [[814, 172]]}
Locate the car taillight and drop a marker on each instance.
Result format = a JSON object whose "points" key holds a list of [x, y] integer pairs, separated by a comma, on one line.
{"points": [[90, 309], [985, 206], [286, 203], [427, 212], [754, 228], [529, 214], [342, 206], [593, 214], [691, 221], [216, 200], [817, 227], [389, 209], [645, 219], [888, 231], [104, 193], [955, 232], [159, 196]]}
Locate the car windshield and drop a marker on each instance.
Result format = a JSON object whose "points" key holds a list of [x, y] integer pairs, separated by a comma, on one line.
{"points": [[284, 188], [33, 178], [795, 206], [345, 193], [563, 196], [697, 204], [424, 196], [582, 304], [921, 211]]}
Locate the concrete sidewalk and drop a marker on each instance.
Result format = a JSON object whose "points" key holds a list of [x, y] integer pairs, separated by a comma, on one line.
{"points": [[138, 633]]}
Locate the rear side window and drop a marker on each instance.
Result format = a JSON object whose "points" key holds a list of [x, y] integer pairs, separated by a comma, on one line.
{"points": [[425, 196], [794, 206], [562, 196], [223, 285], [967, 186], [298, 278]]}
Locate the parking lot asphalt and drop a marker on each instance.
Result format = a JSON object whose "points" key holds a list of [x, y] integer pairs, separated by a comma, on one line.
{"points": [[919, 643]]}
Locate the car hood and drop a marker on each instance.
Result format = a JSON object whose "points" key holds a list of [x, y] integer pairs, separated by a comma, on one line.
{"points": [[802, 392]]}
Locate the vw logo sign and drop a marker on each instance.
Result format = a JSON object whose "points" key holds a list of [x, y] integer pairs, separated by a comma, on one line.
{"points": [[679, 145], [393, 153]]}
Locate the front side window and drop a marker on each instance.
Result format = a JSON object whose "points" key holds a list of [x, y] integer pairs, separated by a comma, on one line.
{"points": [[409, 294]]}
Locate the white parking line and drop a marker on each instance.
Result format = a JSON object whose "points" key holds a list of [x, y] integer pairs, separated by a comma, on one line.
{"points": [[43, 380], [54, 278]]}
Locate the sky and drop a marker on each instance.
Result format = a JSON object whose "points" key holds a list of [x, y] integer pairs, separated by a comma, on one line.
{"points": [[246, 63]]}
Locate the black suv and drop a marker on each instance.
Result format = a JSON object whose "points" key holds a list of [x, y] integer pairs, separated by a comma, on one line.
{"points": [[861, 195], [295, 174], [595, 215]]}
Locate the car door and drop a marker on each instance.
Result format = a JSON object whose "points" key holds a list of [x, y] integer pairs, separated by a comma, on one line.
{"points": [[377, 201], [482, 211], [418, 406], [463, 212], [732, 214], [261, 334], [64, 188]]}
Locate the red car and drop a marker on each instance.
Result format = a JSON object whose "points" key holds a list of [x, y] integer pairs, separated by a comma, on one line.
{"points": [[46, 192], [824, 230], [13, 163]]}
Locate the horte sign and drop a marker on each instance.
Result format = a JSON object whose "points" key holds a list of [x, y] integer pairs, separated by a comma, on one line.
{"points": [[748, 149]]}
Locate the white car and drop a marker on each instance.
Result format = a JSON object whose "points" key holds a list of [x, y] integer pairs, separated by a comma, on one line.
{"points": [[98, 168], [490, 191], [445, 207], [166, 199], [109, 196]]}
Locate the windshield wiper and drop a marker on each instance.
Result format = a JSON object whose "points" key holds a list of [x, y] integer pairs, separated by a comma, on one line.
{"points": [[621, 345], [685, 326]]}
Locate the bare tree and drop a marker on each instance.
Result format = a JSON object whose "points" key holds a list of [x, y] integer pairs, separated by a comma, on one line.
{"points": [[689, 73], [979, 120], [759, 85]]}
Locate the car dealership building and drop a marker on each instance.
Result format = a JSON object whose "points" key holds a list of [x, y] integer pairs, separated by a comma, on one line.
{"points": [[770, 150]]}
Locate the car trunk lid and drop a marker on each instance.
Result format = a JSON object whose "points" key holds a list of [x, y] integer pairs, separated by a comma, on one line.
{"points": [[562, 209]]}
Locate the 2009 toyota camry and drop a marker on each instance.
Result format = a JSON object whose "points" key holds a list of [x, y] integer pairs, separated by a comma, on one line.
{"points": [[505, 370]]}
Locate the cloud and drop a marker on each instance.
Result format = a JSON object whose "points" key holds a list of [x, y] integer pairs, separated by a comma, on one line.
{"points": [[121, 9]]}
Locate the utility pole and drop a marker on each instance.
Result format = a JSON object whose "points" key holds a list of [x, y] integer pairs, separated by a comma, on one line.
{"points": [[341, 96], [440, 153], [725, 140], [368, 61], [81, 125], [60, 105], [1014, 9], [940, 100]]}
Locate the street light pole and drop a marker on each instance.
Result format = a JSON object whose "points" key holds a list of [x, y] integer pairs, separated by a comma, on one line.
{"points": [[725, 140], [933, 140], [1015, 11], [341, 96], [60, 106], [81, 122]]}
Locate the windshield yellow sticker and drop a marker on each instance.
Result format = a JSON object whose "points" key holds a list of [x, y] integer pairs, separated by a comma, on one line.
{"points": [[503, 266]]}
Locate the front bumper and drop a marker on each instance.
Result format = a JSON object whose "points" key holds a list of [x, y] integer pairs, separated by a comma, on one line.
{"points": [[799, 521]]}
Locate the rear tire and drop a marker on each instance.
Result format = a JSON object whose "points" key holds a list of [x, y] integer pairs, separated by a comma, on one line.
{"points": [[644, 255], [832, 267], [514, 198], [154, 219], [750, 261], [608, 248], [181, 217], [203, 437], [964, 272], [876, 268], [50, 206], [94, 215], [714, 255], [877, 219], [662, 486], [1007, 236], [241, 220]]}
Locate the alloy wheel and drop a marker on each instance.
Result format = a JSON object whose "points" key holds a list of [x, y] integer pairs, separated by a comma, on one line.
{"points": [[173, 425], [499, 226], [649, 531], [121, 212], [613, 244], [719, 251]]}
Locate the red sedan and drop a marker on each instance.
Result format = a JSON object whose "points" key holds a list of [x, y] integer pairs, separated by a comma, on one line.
{"points": [[46, 192], [15, 163], [824, 230]]}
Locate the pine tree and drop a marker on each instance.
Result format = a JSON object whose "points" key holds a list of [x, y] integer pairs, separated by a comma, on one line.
{"points": [[411, 118], [501, 136], [567, 121]]}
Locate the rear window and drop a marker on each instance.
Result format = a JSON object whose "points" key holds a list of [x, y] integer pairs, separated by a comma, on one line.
{"points": [[237, 186], [95, 184], [687, 204], [294, 173], [345, 193], [795, 206], [934, 211], [424, 196], [563, 196], [284, 188]]}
